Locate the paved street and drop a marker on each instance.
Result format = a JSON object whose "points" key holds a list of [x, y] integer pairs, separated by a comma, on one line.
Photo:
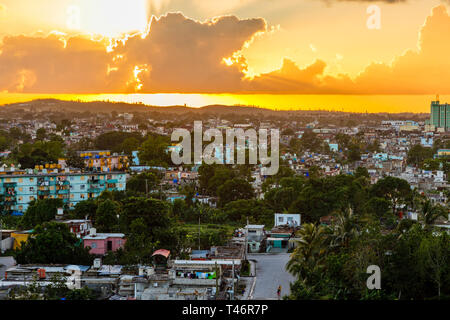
{"points": [[270, 273]]}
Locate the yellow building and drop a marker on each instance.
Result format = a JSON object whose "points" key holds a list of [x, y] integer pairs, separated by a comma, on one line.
{"points": [[19, 237]]}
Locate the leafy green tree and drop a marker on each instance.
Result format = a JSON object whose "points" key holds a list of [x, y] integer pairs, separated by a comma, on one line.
{"points": [[362, 172], [4, 143], [129, 145], [41, 134], [235, 189], [254, 210], [379, 207], [417, 154], [85, 209], [114, 140], [354, 152], [343, 140], [140, 245], [106, 219], [397, 191], [146, 181], [53, 243], [434, 256], [155, 214], [40, 211], [153, 151], [74, 160], [309, 141]]}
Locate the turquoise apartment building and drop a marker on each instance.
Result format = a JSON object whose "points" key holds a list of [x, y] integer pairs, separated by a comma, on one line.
{"points": [[19, 188], [440, 115]]}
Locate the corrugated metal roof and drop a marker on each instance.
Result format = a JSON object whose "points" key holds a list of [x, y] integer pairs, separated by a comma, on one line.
{"points": [[161, 252]]}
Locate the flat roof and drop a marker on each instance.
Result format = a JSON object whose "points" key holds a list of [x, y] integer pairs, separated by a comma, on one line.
{"points": [[207, 262], [254, 226], [34, 175], [104, 236]]}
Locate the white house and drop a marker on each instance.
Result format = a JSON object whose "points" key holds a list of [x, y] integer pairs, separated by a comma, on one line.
{"points": [[291, 219]]}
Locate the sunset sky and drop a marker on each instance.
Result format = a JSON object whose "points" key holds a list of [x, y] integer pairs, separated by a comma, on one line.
{"points": [[273, 53]]}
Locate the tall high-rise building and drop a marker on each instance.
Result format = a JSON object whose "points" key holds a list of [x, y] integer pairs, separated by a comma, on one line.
{"points": [[440, 115]]}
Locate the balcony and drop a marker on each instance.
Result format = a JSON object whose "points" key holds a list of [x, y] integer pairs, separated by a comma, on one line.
{"points": [[94, 190], [9, 184], [194, 282]]}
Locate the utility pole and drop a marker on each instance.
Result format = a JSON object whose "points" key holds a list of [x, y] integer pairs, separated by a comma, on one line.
{"points": [[246, 241], [217, 280], [1, 236], [198, 232], [233, 280], [146, 188]]}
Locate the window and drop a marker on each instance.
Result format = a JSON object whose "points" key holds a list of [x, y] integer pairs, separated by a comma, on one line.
{"points": [[82, 178], [82, 187], [82, 196], [31, 179], [93, 245], [280, 219], [20, 189], [20, 180]]}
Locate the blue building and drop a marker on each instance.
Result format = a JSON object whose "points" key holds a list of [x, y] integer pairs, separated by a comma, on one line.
{"points": [[19, 188]]}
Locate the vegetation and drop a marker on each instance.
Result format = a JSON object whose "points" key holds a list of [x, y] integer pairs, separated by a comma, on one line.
{"points": [[413, 262], [53, 243]]}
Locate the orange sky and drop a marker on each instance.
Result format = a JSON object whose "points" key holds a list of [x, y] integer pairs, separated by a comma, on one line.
{"points": [[238, 51]]}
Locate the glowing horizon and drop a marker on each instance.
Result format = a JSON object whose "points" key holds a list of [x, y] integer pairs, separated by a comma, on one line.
{"points": [[351, 55], [341, 103]]}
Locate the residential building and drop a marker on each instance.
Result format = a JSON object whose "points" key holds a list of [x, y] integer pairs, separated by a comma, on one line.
{"points": [[291, 219], [440, 115], [255, 235], [19, 188], [101, 243]]}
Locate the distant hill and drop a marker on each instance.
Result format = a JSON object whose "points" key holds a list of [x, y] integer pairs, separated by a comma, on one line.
{"points": [[121, 107]]}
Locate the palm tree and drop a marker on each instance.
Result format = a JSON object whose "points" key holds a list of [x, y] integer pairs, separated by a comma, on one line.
{"points": [[309, 254], [429, 213], [344, 228]]}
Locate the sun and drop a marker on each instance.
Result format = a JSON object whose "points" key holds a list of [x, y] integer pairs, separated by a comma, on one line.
{"points": [[109, 18]]}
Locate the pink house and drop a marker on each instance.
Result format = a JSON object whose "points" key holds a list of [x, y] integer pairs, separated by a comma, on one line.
{"points": [[101, 243]]}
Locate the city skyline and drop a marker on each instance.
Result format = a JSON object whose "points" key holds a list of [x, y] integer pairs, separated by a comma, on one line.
{"points": [[340, 56]]}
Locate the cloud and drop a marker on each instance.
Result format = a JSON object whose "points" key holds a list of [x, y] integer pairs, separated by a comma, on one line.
{"points": [[422, 71], [187, 55], [50, 64], [329, 2], [182, 55], [425, 70]]}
